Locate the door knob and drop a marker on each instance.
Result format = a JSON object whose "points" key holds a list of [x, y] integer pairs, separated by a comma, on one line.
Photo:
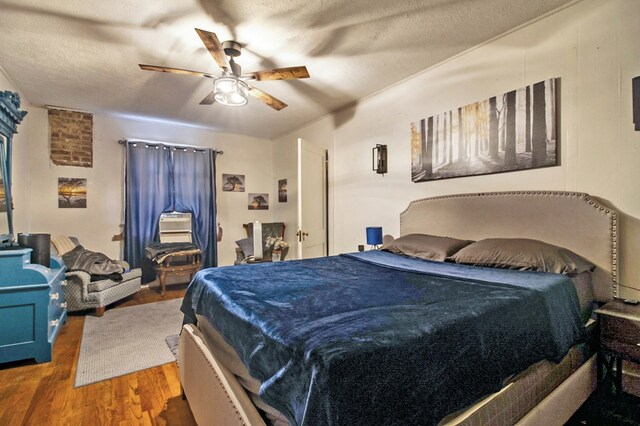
{"points": [[301, 234]]}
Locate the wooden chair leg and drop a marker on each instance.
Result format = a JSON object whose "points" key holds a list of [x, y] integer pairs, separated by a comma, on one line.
{"points": [[163, 283], [100, 311]]}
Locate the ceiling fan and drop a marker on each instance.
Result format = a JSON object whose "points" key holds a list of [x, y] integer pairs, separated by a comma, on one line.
{"points": [[231, 88]]}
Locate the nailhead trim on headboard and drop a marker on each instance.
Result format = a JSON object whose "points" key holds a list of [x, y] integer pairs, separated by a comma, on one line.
{"points": [[613, 216]]}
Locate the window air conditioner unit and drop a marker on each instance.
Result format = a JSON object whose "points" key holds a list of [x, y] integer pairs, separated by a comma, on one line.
{"points": [[175, 228]]}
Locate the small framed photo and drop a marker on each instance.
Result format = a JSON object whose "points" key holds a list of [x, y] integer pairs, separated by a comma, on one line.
{"points": [[258, 201], [232, 183], [72, 193], [282, 191]]}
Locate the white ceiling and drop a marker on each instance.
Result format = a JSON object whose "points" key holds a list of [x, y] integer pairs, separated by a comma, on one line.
{"points": [[83, 54]]}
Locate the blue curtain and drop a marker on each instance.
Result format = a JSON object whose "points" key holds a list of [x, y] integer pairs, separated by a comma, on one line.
{"points": [[194, 191], [164, 179], [149, 192]]}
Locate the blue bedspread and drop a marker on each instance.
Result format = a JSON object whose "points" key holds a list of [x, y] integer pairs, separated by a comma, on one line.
{"points": [[377, 338]]}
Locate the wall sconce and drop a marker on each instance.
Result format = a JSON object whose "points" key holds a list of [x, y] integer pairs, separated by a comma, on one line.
{"points": [[379, 159], [636, 102], [374, 236]]}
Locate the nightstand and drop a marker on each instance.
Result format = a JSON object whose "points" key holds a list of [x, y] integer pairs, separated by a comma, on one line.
{"points": [[619, 339]]}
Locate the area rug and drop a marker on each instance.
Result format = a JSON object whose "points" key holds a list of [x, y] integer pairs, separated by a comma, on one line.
{"points": [[172, 343], [126, 340]]}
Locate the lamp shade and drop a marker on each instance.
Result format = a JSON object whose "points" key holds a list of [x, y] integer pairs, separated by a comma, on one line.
{"points": [[374, 235], [230, 91]]}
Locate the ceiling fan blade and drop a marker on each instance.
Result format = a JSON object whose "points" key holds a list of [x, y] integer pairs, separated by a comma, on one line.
{"points": [[210, 99], [214, 47], [291, 73], [274, 103], [173, 70]]}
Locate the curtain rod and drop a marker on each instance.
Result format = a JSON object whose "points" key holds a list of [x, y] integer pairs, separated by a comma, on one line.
{"points": [[125, 140]]}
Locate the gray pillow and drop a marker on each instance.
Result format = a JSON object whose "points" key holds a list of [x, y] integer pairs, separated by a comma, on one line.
{"points": [[522, 254], [584, 288], [602, 282], [246, 245], [425, 246]]}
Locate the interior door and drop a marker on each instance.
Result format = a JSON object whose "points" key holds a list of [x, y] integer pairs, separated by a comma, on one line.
{"points": [[312, 200]]}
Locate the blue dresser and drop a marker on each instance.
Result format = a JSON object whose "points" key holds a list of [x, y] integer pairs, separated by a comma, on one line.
{"points": [[32, 307]]}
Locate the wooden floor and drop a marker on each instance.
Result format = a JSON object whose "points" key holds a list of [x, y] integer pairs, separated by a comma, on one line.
{"points": [[43, 394]]}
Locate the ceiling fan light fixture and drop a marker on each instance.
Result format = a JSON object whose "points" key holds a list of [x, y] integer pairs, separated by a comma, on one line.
{"points": [[232, 88], [230, 91]]}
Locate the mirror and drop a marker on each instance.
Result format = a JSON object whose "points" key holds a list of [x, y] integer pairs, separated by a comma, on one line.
{"points": [[10, 117], [5, 202]]}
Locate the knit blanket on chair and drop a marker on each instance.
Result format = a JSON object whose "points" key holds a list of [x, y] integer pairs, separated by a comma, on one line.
{"points": [[157, 252], [62, 243], [93, 263]]}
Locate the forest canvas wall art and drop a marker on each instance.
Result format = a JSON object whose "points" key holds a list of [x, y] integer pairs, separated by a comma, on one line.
{"points": [[513, 131]]}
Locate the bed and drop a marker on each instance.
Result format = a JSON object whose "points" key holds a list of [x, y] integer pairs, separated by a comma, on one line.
{"points": [[526, 389]]}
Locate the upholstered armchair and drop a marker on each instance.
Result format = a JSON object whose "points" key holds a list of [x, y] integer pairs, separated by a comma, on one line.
{"points": [[245, 246], [82, 294]]}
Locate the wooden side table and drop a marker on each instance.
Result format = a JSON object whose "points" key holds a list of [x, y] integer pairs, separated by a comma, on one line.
{"points": [[179, 263], [619, 339]]}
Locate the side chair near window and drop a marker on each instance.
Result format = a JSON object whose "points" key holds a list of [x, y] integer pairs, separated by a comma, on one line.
{"points": [[174, 259], [245, 249], [175, 254], [83, 293]]}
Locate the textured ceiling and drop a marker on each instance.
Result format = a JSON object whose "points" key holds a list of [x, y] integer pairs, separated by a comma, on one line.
{"points": [[83, 54]]}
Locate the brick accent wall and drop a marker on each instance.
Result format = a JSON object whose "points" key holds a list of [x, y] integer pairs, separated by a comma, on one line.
{"points": [[71, 138]]}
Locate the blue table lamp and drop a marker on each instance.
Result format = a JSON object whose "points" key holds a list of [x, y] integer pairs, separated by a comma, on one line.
{"points": [[374, 236]]}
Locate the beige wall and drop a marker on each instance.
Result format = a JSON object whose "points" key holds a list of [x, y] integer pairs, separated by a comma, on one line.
{"points": [[35, 179], [591, 46], [285, 165]]}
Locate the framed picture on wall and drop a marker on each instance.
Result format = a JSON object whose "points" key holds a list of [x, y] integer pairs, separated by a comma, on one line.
{"points": [[512, 131], [232, 183], [282, 191], [258, 201], [72, 193]]}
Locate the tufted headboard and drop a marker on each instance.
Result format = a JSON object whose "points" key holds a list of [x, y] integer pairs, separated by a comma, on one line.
{"points": [[569, 219]]}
